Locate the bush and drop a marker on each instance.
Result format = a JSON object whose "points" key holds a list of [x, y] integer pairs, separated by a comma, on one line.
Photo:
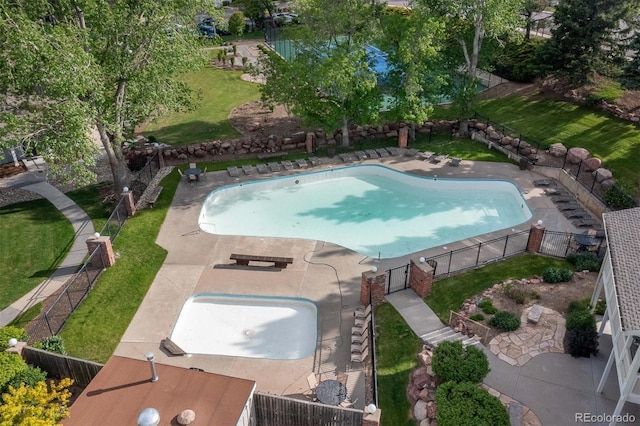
{"points": [[556, 275], [582, 342], [30, 377], [585, 261], [519, 61], [10, 332], [617, 198], [601, 307], [10, 365], [465, 404], [580, 319], [517, 294], [477, 317], [137, 161], [487, 307], [453, 362], [505, 321], [578, 305], [52, 344]]}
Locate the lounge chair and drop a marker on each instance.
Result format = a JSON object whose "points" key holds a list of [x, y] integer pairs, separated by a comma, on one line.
{"points": [[372, 153], [569, 206], [302, 163], [360, 322], [411, 152], [233, 171], [275, 167], [544, 182], [382, 152], [455, 161], [361, 357], [287, 165], [262, 168], [576, 214], [556, 191], [392, 150], [358, 348], [312, 381], [362, 312], [315, 161], [582, 223], [360, 155], [562, 199], [439, 158], [360, 331], [248, 169], [359, 338], [345, 157], [427, 155]]}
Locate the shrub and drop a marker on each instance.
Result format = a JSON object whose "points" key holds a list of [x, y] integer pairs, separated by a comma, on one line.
{"points": [[519, 61], [29, 376], [52, 344], [137, 161], [585, 261], [477, 317], [465, 404], [505, 321], [453, 362], [517, 294], [582, 342], [10, 332], [556, 275], [487, 307], [152, 139], [578, 305], [580, 319], [617, 198], [601, 307], [10, 365]]}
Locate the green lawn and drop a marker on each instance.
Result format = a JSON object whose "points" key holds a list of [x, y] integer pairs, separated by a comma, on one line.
{"points": [[216, 93], [449, 293], [615, 141], [36, 237]]}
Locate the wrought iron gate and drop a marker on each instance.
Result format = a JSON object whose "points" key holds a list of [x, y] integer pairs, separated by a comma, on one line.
{"points": [[397, 279]]}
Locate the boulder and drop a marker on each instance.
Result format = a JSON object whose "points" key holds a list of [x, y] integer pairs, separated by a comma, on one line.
{"points": [[186, 417], [200, 153], [431, 410], [557, 150], [480, 126], [420, 410], [607, 183], [576, 155], [494, 136], [602, 174], [506, 140], [591, 164]]}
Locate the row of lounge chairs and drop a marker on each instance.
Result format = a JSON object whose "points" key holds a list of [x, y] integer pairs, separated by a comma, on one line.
{"points": [[567, 204], [273, 166]]}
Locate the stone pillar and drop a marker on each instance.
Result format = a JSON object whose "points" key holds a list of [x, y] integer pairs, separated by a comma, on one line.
{"points": [[536, 234], [161, 163], [420, 277], [309, 143], [403, 136], [106, 252], [129, 203], [373, 282], [371, 419]]}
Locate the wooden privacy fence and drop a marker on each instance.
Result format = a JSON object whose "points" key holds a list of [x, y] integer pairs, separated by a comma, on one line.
{"points": [[274, 410], [61, 366]]}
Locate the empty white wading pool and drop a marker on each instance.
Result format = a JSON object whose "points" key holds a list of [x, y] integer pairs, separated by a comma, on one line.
{"points": [[247, 326]]}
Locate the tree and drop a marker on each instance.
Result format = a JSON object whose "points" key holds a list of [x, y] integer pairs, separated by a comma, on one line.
{"points": [[528, 9], [328, 82], [412, 41], [110, 65], [254, 9], [236, 24], [587, 37], [37, 405], [469, 23], [631, 72]]}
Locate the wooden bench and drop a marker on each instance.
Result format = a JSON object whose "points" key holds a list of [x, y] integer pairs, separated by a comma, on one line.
{"points": [[244, 259], [153, 197]]}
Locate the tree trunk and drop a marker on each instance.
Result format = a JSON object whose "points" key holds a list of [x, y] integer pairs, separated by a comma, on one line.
{"points": [[463, 130], [345, 132], [119, 169]]}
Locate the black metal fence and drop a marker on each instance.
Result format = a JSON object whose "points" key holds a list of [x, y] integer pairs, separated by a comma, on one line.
{"points": [[606, 190], [142, 178], [116, 221], [397, 279], [68, 298]]}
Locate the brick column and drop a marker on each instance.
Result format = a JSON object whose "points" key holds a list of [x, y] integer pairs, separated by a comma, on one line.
{"points": [[373, 282], [420, 277], [403, 135], [536, 234], [106, 252], [309, 143], [371, 419], [129, 203]]}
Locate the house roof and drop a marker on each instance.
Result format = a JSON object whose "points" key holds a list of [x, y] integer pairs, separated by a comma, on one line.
{"points": [[123, 388], [623, 237]]}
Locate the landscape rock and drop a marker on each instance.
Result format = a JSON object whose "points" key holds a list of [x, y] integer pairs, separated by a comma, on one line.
{"points": [[607, 183], [602, 174], [558, 150], [420, 410], [186, 417], [576, 155]]}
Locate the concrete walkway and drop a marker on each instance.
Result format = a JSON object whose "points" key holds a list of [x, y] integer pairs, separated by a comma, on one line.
{"points": [[555, 386], [34, 180]]}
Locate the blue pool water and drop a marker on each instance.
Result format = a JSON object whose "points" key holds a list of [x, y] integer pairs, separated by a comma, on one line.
{"points": [[373, 210]]}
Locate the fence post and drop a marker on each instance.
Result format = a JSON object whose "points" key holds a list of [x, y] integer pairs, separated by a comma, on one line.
{"points": [[478, 255], [506, 243], [564, 161], [107, 258], [450, 259], [579, 167], [129, 202]]}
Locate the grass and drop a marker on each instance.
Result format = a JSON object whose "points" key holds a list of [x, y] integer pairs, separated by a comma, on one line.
{"points": [[449, 293], [95, 329], [217, 92], [615, 141], [90, 200], [36, 237], [396, 350]]}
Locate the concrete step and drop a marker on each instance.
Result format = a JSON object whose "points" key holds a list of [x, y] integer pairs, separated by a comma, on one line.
{"points": [[447, 334]]}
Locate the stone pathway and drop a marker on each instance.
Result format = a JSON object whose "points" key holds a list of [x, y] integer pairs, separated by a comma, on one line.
{"points": [[518, 347], [528, 417]]}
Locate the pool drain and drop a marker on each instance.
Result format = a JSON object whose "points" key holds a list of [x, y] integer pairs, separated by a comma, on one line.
{"points": [[248, 332]]}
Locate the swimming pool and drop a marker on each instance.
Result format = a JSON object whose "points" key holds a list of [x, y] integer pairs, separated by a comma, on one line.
{"points": [[247, 326], [371, 209]]}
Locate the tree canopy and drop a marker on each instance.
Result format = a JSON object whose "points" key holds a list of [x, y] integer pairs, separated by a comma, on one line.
{"points": [[68, 67]]}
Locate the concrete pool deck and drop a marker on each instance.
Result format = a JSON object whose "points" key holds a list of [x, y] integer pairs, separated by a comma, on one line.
{"points": [[329, 275]]}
